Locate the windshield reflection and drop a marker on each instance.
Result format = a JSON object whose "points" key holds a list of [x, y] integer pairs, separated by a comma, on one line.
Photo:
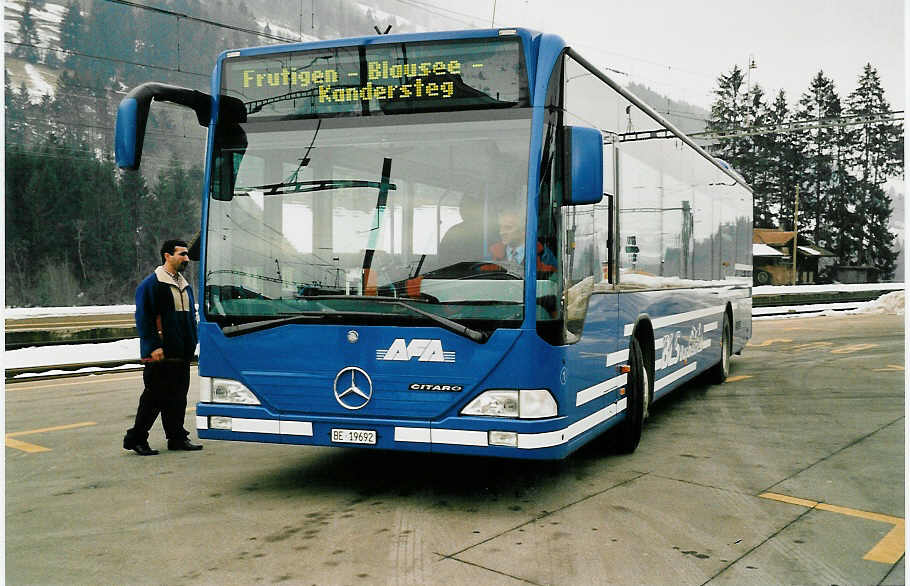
{"points": [[322, 216]]}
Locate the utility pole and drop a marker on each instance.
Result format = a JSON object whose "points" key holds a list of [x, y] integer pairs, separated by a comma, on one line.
{"points": [[795, 231], [750, 65]]}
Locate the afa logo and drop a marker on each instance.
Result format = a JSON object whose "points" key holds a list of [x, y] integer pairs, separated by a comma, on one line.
{"points": [[422, 350]]}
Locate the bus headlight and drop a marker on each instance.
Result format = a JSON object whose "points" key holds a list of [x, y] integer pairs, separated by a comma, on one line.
{"points": [[536, 404], [225, 390], [205, 389], [494, 403], [521, 404]]}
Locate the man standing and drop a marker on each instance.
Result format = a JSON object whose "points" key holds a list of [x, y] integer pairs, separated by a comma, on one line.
{"points": [[166, 323]]}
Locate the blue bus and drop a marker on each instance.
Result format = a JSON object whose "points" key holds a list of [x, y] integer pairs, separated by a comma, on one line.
{"points": [[469, 242]]}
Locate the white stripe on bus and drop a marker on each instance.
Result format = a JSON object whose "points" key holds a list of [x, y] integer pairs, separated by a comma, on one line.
{"points": [[458, 437], [671, 320], [617, 357], [295, 428], [274, 426], [674, 376], [525, 440], [461, 437], [413, 434], [255, 425], [600, 389]]}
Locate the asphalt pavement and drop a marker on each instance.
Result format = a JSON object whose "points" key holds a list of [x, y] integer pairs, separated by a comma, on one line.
{"points": [[792, 472]]}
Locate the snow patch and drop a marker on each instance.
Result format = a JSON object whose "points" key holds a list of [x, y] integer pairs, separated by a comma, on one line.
{"points": [[784, 289], [37, 86], [29, 312], [890, 303], [89, 369], [287, 33], [72, 354]]}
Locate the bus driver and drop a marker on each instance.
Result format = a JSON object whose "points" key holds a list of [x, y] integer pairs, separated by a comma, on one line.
{"points": [[511, 247]]}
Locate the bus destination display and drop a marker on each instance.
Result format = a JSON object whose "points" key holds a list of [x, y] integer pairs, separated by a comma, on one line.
{"points": [[382, 79]]}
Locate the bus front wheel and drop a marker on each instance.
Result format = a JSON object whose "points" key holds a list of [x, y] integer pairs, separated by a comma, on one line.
{"points": [[628, 433]]}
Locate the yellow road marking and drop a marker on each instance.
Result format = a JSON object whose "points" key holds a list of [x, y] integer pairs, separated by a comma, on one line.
{"points": [[890, 368], [890, 548], [32, 448], [812, 346], [887, 551], [733, 379], [792, 500], [853, 348], [769, 342], [25, 446], [11, 388]]}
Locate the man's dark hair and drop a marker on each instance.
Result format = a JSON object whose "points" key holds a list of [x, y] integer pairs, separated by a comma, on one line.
{"points": [[170, 246]]}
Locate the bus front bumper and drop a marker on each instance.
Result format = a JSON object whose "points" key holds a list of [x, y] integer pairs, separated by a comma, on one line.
{"points": [[548, 439]]}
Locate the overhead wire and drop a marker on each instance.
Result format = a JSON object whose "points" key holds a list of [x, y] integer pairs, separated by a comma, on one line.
{"points": [[804, 125], [439, 11], [207, 21]]}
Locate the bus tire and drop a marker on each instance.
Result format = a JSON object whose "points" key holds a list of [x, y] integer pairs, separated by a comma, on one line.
{"points": [[628, 433], [721, 370]]}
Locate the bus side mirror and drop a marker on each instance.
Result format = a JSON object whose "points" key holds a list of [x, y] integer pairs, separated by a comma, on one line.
{"points": [[583, 166], [133, 114]]}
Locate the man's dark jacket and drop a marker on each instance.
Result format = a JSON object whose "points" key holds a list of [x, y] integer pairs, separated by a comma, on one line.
{"points": [[161, 295]]}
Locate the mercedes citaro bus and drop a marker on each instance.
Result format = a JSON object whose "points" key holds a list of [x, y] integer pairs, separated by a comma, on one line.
{"points": [[467, 242]]}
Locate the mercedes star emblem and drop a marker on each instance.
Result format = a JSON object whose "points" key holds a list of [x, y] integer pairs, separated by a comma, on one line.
{"points": [[353, 336], [353, 388]]}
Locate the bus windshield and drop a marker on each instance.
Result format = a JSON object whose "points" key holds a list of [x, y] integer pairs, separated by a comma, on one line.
{"points": [[324, 217]]}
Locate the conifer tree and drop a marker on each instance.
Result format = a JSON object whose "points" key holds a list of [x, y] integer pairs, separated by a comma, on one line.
{"points": [[877, 151], [785, 159], [72, 29], [28, 35], [757, 163], [728, 115], [819, 103]]}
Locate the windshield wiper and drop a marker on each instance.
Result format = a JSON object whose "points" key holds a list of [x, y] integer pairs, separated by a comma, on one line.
{"points": [[255, 326], [452, 326], [317, 185]]}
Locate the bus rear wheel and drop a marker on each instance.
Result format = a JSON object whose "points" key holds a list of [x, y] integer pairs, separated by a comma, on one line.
{"points": [[628, 433], [721, 370]]}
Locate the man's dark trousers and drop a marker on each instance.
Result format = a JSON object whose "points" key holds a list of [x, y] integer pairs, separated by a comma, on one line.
{"points": [[166, 386]]}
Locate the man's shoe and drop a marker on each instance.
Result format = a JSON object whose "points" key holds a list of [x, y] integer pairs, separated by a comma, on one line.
{"points": [[143, 449], [184, 444]]}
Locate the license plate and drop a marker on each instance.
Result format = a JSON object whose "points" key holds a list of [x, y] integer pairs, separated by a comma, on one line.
{"points": [[354, 436]]}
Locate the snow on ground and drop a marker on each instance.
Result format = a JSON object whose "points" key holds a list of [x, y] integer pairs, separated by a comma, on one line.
{"points": [[29, 312], [89, 370], [37, 87], [288, 33], [803, 309], [889, 303], [72, 353], [784, 289]]}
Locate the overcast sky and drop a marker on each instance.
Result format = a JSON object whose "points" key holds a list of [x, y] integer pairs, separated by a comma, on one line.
{"points": [[679, 47]]}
